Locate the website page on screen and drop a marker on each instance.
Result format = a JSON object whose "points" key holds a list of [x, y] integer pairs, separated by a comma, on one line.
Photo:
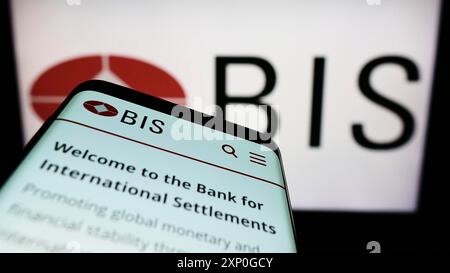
{"points": [[111, 175]]}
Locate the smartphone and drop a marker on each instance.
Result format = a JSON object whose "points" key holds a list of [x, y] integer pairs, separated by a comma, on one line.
{"points": [[116, 170]]}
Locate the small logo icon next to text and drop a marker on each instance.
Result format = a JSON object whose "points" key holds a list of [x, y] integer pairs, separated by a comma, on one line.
{"points": [[100, 108]]}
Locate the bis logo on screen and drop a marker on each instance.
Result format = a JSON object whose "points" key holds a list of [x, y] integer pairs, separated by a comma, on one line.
{"points": [[128, 117], [100, 108]]}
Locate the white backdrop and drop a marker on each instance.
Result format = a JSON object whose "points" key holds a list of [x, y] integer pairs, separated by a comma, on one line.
{"points": [[185, 37]]}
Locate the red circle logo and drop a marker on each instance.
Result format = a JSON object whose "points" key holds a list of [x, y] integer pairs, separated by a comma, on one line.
{"points": [[54, 84], [100, 108]]}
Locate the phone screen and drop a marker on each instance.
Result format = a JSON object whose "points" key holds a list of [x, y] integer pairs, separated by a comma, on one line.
{"points": [[110, 175]]}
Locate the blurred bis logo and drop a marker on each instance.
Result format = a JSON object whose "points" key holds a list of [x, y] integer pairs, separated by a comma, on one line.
{"points": [[100, 108], [55, 83]]}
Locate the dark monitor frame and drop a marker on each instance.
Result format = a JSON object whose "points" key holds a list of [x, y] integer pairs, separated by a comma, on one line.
{"points": [[317, 231]]}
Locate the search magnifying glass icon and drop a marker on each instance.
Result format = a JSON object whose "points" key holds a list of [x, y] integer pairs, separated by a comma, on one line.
{"points": [[228, 149]]}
